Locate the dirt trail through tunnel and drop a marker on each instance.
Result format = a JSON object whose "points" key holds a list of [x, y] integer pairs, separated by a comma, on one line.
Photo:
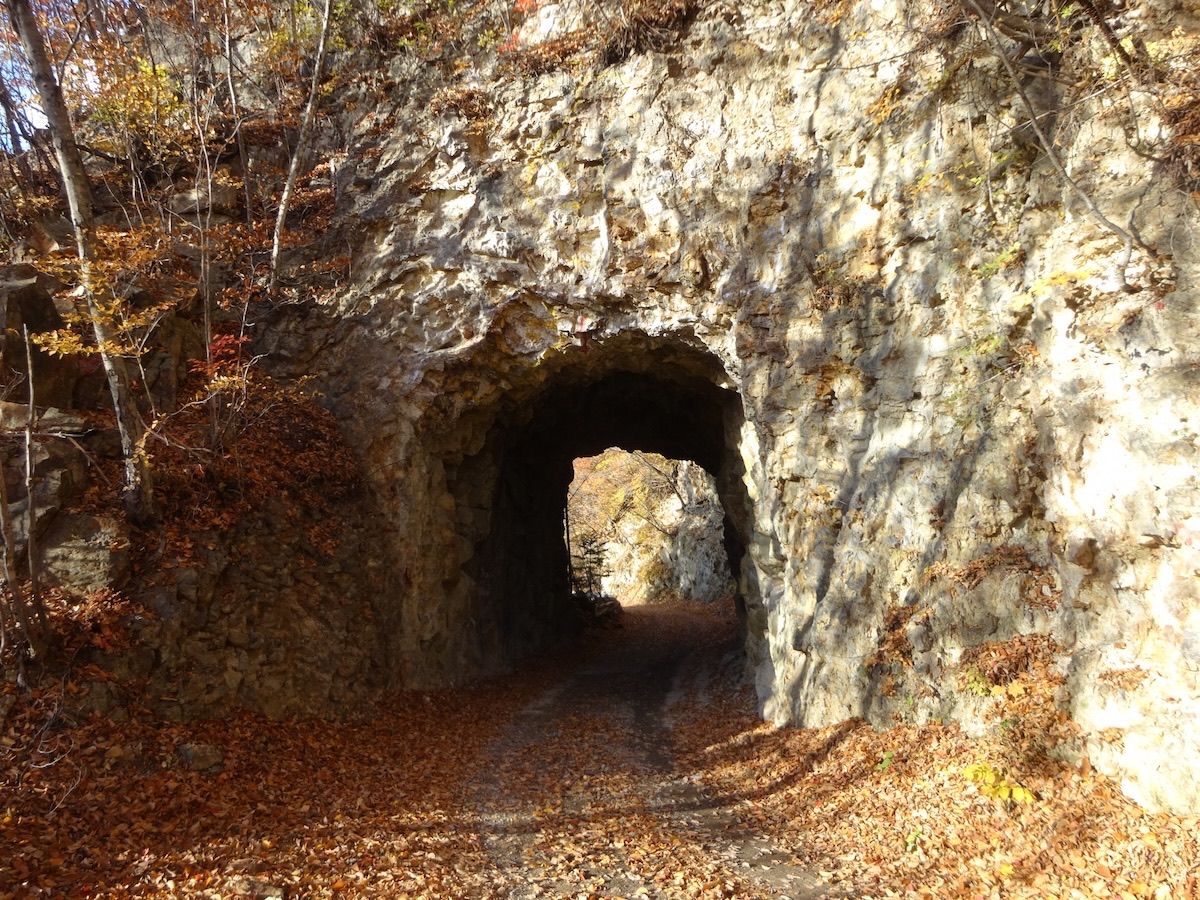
{"points": [[630, 764], [581, 795]]}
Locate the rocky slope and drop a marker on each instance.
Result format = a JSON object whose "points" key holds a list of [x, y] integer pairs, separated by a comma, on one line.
{"points": [[659, 524]]}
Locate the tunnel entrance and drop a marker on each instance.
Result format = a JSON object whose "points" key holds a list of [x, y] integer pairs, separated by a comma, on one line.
{"points": [[670, 399]]}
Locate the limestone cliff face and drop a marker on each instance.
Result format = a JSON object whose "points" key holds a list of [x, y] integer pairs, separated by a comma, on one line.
{"points": [[663, 538], [824, 257]]}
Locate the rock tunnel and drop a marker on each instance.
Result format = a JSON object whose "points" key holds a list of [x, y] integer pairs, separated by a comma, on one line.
{"points": [[665, 395]]}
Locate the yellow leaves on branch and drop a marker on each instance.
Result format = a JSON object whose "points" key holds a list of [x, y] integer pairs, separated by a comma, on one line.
{"points": [[136, 280], [63, 342], [131, 100]]}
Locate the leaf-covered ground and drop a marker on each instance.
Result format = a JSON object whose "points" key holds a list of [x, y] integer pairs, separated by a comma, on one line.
{"points": [[632, 766]]}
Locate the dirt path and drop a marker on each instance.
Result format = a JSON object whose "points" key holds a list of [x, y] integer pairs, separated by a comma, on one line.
{"points": [[630, 765], [562, 780], [581, 796]]}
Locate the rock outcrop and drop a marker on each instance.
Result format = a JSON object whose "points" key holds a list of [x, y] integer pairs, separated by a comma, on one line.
{"points": [[27, 309], [665, 537], [822, 256], [925, 310]]}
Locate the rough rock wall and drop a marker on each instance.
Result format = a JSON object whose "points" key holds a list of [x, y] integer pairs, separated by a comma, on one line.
{"points": [[274, 610], [272, 613], [959, 395], [267, 616]]}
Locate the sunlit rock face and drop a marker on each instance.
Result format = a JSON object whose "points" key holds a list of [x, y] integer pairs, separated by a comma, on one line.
{"points": [[943, 406], [647, 529], [673, 549]]}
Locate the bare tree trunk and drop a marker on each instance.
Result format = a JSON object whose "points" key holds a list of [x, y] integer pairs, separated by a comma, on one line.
{"points": [[301, 141], [139, 486], [202, 104], [236, 111], [15, 138], [31, 540], [20, 606]]}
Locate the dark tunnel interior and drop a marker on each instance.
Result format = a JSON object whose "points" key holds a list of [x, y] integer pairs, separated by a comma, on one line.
{"points": [[522, 565]]}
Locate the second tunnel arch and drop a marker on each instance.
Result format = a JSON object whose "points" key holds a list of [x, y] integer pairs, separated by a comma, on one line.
{"points": [[662, 394]]}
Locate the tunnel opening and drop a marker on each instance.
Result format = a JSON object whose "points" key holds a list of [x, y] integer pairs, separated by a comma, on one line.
{"points": [[642, 528], [512, 494]]}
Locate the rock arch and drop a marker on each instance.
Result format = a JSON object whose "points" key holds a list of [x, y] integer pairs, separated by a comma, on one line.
{"points": [[933, 384], [503, 467]]}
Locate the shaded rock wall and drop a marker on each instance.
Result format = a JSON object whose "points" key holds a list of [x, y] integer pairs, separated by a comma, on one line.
{"points": [[936, 363], [281, 612], [26, 307], [267, 616]]}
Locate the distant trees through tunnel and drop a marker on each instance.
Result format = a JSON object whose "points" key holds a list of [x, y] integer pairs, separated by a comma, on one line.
{"points": [[644, 528]]}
